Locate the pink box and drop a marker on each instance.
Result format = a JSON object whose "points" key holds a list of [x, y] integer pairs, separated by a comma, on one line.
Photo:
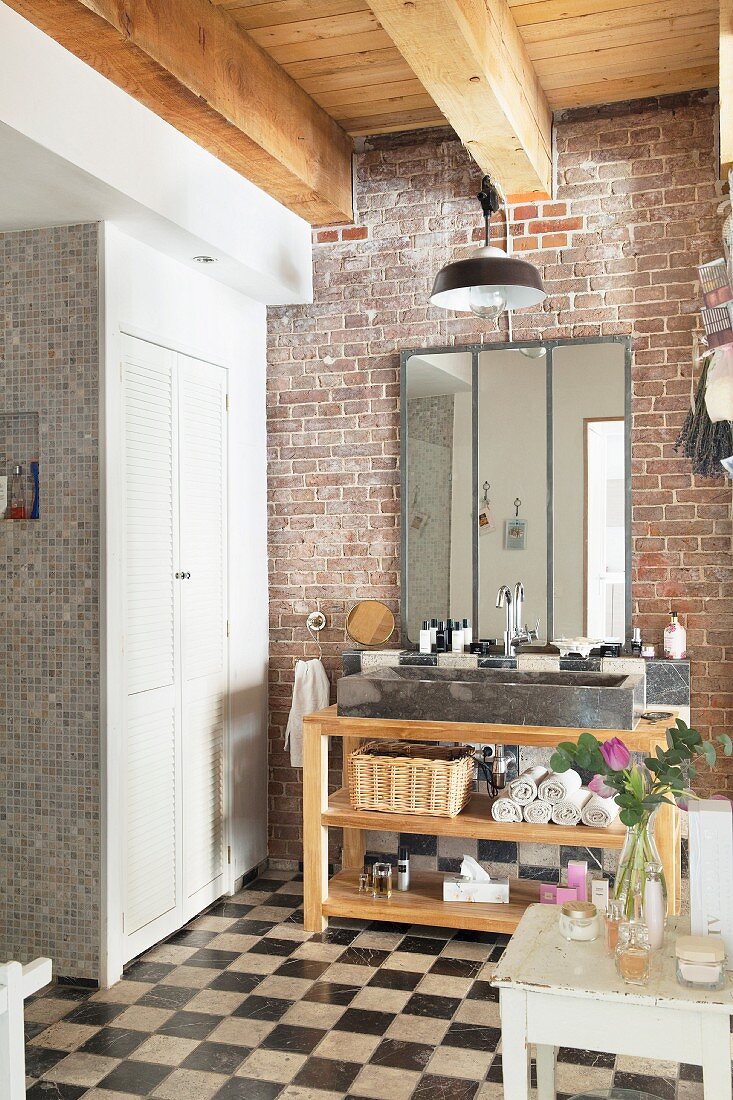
{"points": [[578, 877], [566, 893], [548, 893]]}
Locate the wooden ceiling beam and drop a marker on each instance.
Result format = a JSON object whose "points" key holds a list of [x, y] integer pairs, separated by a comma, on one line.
{"points": [[725, 63], [191, 64], [470, 57]]}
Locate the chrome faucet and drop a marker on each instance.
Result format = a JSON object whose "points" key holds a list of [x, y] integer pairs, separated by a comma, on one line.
{"points": [[504, 599], [515, 634]]}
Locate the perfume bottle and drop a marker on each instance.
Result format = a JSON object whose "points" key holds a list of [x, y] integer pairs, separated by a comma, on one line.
{"points": [[614, 918], [382, 877], [633, 953], [16, 494], [655, 910]]}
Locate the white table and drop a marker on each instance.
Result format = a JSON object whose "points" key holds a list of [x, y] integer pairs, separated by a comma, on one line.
{"points": [[554, 993]]}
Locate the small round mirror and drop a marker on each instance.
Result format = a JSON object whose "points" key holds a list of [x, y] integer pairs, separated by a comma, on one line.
{"points": [[370, 623]]}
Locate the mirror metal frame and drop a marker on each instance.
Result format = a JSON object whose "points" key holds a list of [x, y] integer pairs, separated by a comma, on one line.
{"points": [[475, 350]]}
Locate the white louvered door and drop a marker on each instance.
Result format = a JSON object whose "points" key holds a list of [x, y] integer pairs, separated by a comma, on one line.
{"points": [[152, 857], [203, 541], [175, 644]]}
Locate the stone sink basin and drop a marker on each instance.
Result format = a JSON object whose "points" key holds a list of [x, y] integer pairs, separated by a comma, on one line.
{"points": [[592, 700]]}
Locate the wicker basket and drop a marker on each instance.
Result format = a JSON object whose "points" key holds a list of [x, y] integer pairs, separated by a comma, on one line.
{"points": [[410, 778]]}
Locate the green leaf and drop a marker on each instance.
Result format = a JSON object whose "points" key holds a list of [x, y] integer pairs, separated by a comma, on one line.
{"points": [[630, 818], [708, 751], [727, 743], [559, 762]]}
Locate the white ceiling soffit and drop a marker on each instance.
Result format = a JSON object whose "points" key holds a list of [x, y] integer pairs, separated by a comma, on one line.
{"points": [[439, 374], [74, 148]]}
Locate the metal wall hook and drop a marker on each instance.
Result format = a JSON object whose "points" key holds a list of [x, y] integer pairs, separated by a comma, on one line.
{"points": [[517, 506], [315, 623], [486, 488]]}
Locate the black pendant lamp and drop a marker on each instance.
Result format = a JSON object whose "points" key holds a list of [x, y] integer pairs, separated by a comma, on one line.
{"points": [[489, 281]]}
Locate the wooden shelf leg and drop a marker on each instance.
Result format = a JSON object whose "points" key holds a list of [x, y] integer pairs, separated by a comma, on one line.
{"points": [[668, 838], [315, 834], [354, 842]]}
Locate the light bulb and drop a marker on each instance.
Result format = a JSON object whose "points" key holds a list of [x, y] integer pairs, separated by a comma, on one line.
{"points": [[486, 301]]}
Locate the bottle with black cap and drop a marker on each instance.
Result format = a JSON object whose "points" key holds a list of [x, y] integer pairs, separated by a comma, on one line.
{"points": [[403, 869], [440, 638], [467, 634], [433, 633]]}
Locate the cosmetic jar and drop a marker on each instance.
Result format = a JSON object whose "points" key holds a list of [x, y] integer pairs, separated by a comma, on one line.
{"points": [[700, 962], [579, 921]]}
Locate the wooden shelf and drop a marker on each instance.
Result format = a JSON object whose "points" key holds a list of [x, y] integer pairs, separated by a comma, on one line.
{"points": [[475, 822], [423, 904]]}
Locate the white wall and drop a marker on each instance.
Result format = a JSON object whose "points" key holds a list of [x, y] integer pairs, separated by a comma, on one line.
{"points": [[148, 295], [104, 155], [588, 381], [513, 458]]}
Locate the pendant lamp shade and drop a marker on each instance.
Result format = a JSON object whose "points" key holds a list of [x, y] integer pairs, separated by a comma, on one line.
{"points": [[489, 280], [516, 280]]}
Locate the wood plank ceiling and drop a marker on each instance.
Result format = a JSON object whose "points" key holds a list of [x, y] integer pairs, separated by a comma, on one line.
{"points": [[584, 51]]}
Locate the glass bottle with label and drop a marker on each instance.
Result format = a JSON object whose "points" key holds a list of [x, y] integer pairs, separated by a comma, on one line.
{"points": [[16, 494]]}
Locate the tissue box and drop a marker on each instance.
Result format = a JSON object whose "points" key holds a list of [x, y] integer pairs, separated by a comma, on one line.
{"points": [[711, 870], [456, 888]]}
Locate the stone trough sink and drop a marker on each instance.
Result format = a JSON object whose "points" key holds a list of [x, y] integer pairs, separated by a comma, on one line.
{"points": [[591, 700]]}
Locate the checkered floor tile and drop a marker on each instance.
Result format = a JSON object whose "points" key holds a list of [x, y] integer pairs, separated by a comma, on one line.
{"points": [[244, 1005]]}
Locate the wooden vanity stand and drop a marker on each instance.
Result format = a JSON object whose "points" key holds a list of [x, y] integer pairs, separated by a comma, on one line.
{"points": [[423, 902]]}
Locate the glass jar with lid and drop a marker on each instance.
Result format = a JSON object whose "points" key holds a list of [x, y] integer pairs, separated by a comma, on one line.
{"points": [[579, 921]]}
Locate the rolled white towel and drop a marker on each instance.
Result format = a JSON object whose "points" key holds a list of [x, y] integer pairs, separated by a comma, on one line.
{"points": [[559, 785], [568, 812], [506, 809], [538, 812], [599, 812], [524, 788]]}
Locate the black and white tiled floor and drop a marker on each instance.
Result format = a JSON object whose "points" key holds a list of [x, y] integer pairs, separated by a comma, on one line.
{"points": [[245, 1005]]}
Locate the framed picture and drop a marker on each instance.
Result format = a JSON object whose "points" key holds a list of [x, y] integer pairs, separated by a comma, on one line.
{"points": [[515, 534]]}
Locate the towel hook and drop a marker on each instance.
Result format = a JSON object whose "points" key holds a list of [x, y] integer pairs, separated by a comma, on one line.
{"points": [[487, 486], [315, 623], [517, 505]]}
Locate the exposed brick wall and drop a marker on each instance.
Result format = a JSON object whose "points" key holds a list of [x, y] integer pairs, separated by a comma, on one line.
{"points": [[636, 210]]}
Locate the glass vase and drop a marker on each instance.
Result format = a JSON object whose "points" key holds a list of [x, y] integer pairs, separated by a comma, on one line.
{"points": [[640, 848]]}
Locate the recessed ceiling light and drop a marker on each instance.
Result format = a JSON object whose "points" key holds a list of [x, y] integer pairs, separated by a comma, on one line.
{"points": [[205, 259]]}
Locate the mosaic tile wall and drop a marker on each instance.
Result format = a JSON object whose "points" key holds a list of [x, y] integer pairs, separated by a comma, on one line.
{"points": [[49, 594], [430, 428]]}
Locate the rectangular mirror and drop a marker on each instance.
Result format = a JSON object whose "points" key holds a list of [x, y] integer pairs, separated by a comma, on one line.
{"points": [[437, 518], [515, 467]]}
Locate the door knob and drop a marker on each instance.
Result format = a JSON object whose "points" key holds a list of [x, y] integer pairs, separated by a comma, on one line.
{"points": [[186, 576], [179, 576]]}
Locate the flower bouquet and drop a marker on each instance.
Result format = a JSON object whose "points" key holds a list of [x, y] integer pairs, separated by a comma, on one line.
{"points": [[640, 788]]}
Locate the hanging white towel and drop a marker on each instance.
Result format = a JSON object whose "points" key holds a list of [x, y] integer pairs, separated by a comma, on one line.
{"points": [[524, 788], [569, 810], [538, 812], [505, 809], [311, 692], [559, 785], [599, 812]]}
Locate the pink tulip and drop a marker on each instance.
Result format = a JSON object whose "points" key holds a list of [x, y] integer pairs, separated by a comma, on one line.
{"points": [[616, 755], [600, 788]]}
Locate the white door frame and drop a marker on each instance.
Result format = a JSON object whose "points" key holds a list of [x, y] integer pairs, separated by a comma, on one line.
{"points": [[112, 682]]}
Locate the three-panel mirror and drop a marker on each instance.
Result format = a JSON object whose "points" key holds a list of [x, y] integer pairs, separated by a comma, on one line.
{"points": [[515, 467]]}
